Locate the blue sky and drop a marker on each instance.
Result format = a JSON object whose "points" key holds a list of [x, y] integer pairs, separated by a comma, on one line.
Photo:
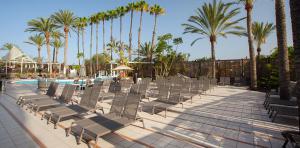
{"points": [[16, 13]]}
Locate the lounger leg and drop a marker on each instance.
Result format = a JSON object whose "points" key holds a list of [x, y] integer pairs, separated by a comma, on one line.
{"points": [[273, 119], [271, 114], [57, 121], [142, 120], [96, 141], [153, 108], [37, 109], [181, 105], [80, 136], [166, 113], [49, 119], [70, 129]]}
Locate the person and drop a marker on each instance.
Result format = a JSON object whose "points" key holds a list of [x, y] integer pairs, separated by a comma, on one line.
{"points": [[135, 77]]}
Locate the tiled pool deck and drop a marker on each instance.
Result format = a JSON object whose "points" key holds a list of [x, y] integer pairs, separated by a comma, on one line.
{"points": [[224, 117]]}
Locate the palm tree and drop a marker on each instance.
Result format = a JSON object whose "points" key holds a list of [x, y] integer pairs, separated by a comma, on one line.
{"points": [[38, 41], [213, 20], [77, 26], [142, 6], [155, 10], [295, 10], [7, 46], [83, 21], [64, 19], [131, 7], [121, 11], [112, 15], [92, 21], [177, 41], [56, 39], [284, 71], [56, 44], [260, 32], [104, 17], [113, 46], [248, 7], [145, 51], [97, 20], [43, 26]]}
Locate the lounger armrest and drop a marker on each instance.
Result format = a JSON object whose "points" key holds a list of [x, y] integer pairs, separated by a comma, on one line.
{"points": [[284, 106]]}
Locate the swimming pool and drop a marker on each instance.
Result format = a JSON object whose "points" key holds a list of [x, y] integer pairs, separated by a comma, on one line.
{"points": [[35, 81]]}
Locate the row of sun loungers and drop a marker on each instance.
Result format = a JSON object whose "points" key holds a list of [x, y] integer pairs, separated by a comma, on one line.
{"points": [[126, 101], [288, 108]]}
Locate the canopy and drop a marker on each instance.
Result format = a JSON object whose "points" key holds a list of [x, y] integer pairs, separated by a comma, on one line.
{"points": [[17, 55], [122, 67]]}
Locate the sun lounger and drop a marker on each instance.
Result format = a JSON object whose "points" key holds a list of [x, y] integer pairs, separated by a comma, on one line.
{"points": [[65, 97], [49, 94], [291, 136], [282, 110], [103, 127], [87, 104], [116, 111]]}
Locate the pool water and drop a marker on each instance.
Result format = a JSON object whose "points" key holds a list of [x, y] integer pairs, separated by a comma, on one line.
{"points": [[35, 82]]}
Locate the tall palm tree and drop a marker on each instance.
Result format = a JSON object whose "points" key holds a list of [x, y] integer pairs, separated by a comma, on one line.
{"points": [[213, 20], [131, 7], [155, 10], [113, 46], [43, 26], [112, 15], [64, 19], [249, 7], [284, 70], [142, 6], [96, 21], [121, 11], [38, 41], [261, 32], [56, 44], [77, 25], [83, 21], [92, 21], [104, 17], [295, 17], [56, 39]]}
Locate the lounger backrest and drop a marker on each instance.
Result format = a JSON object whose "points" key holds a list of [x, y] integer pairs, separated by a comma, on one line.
{"points": [[52, 89], [163, 93], [86, 97], [131, 106], [67, 93], [134, 88], [125, 86], [96, 90], [118, 103], [174, 94]]}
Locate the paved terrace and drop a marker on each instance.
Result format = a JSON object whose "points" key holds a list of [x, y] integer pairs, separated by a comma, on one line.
{"points": [[225, 117]]}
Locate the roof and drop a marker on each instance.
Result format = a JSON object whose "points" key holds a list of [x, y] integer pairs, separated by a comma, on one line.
{"points": [[17, 55], [122, 67]]}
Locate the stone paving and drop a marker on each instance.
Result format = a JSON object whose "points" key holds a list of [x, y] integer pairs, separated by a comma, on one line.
{"points": [[223, 117]]}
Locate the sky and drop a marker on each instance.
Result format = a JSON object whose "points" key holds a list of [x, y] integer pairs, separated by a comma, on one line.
{"points": [[16, 13]]}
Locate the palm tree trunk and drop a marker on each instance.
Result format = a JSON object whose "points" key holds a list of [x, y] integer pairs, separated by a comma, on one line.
{"points": [[97, 56], [47, 36], [139, 35], [78, 46], [258, 66], [295, 17], [121, 44], [284, 71], [56, 54], [213, 58], [253, 75], [66, 30], [130, 35], [83, 51], [103, 36], [91, 46], [111, 29], [153, 38], [39, 55], [53, 55]]}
